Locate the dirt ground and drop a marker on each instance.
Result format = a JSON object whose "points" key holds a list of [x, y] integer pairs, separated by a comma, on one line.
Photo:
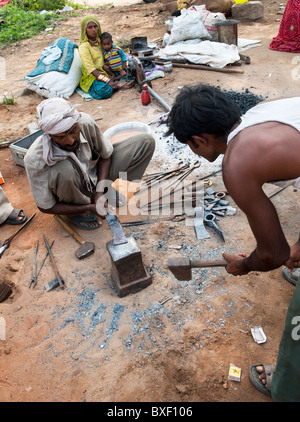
{"points": [[173, 341]]}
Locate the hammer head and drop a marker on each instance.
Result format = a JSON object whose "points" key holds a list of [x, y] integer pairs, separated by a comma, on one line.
{"points": [[85, 250], [180, 267]]}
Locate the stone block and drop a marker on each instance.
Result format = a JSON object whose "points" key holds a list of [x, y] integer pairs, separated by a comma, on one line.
{"points": [[251, 10]]}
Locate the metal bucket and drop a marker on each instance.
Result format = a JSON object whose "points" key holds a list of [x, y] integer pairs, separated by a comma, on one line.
{"points": [[123, 131], [228, 31]]}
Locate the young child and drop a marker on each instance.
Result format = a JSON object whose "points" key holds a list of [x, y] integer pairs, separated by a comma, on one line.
{"points": [[114, 57]]}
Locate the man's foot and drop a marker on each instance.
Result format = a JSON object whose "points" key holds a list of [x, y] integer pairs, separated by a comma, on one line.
{"points": [[291, 276], [85, 221], [261, 377], [16, 217]]}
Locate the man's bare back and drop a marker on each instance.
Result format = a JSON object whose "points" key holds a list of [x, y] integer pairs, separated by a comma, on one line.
{"points": [[261, 146], [259, 154]]}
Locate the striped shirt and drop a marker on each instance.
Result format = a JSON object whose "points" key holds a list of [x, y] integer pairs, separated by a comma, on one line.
{"points": [[114, 57]]}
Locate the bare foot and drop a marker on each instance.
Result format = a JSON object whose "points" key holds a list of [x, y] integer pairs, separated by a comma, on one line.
{"points": [[263, 375], [125, 85]]}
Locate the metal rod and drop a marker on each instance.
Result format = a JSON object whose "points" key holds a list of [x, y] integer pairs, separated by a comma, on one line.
{"points": [[159, 99], [202, 67]]}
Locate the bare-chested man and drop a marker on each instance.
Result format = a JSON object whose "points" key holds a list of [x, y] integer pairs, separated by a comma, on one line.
{"points": [[261, 146]]}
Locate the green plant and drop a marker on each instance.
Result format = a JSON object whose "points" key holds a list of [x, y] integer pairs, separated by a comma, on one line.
{"points": [[17, 23], [75, 5], [8, 100], [35, 5]]}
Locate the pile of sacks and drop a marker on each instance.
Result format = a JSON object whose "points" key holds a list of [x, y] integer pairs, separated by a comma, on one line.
{"points": [[193, 37]]}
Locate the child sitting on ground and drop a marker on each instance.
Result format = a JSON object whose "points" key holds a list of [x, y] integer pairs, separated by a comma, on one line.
{"points": [[114, 57]]}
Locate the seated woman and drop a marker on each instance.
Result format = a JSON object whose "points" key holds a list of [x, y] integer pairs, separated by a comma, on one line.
{"points": [[94, 79]]}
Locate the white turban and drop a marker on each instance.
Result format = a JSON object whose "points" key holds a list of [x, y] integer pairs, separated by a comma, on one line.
{"points": [[57, 115]]}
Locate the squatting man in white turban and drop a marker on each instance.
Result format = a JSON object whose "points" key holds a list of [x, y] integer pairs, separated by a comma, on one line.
{"points": [[70, 167]]}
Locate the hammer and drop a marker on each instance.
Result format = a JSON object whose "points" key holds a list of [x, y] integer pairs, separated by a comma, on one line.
{"points": [[182, 267], [86, 248]]}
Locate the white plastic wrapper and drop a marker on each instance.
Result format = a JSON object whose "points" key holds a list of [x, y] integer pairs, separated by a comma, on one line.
{"points": [[212, 53], [187, 26]]}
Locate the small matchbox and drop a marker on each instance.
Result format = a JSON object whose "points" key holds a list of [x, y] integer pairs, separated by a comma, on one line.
{"points": [[234, 373]]}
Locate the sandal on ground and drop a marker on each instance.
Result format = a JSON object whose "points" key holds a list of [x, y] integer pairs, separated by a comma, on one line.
{"points": [[5, 291], [14, 218], [85, 221], [291, 276], [254, 377]]}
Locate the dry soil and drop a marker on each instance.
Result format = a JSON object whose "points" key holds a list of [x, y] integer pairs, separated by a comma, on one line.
{"points": [[173, 341]]}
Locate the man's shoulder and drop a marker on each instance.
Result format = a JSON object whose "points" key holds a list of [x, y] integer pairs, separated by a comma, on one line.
{"points": [[35, 151], [85, 119], [88, 127]]}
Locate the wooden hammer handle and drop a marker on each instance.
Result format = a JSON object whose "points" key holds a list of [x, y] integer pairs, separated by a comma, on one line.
{"points": [[69, 229], [196, 263]]}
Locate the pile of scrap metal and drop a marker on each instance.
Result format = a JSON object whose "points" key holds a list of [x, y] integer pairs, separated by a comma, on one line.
{"points": [[214, 205], [176, 200]]}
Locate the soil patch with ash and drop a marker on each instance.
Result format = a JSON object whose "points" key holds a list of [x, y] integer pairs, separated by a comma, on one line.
{"points": [[174, 340]]}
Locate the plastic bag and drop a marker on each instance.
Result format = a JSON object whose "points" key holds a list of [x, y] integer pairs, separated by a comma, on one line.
{"points": [[187, 26], [209, 20]]}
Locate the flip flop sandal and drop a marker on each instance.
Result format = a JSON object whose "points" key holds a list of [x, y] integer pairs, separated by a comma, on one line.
{"points": [[5, 291], [293, 276], [82, 221], [254, 374], [12, 220]]}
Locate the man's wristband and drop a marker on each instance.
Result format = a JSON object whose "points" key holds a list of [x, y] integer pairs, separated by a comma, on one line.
{"points": [[103, 78]]}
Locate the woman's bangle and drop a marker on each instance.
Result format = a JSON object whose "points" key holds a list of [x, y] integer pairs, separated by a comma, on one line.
{"points": [[103, 78]]}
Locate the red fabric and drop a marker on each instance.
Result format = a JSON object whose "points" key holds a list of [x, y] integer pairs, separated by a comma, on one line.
{"points": [[3, 3], [288, 38]]}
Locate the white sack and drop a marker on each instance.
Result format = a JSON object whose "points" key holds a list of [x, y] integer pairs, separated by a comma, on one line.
{"points": [[57, 84], [209, 20], [214, 54], [187, 26]]}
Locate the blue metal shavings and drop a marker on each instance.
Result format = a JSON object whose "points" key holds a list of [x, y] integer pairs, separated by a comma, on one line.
{"points": [[117, 313]]}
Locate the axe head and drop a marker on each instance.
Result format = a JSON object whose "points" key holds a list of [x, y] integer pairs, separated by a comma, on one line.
{"points": [[180, 267], [85, 250], [3, 249]]}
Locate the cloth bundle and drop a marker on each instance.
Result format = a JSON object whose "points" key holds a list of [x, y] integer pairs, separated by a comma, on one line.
{"points": [[58, 70]]}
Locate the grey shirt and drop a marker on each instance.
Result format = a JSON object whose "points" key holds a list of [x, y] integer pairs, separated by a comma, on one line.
{"points": [[93, 146]]}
